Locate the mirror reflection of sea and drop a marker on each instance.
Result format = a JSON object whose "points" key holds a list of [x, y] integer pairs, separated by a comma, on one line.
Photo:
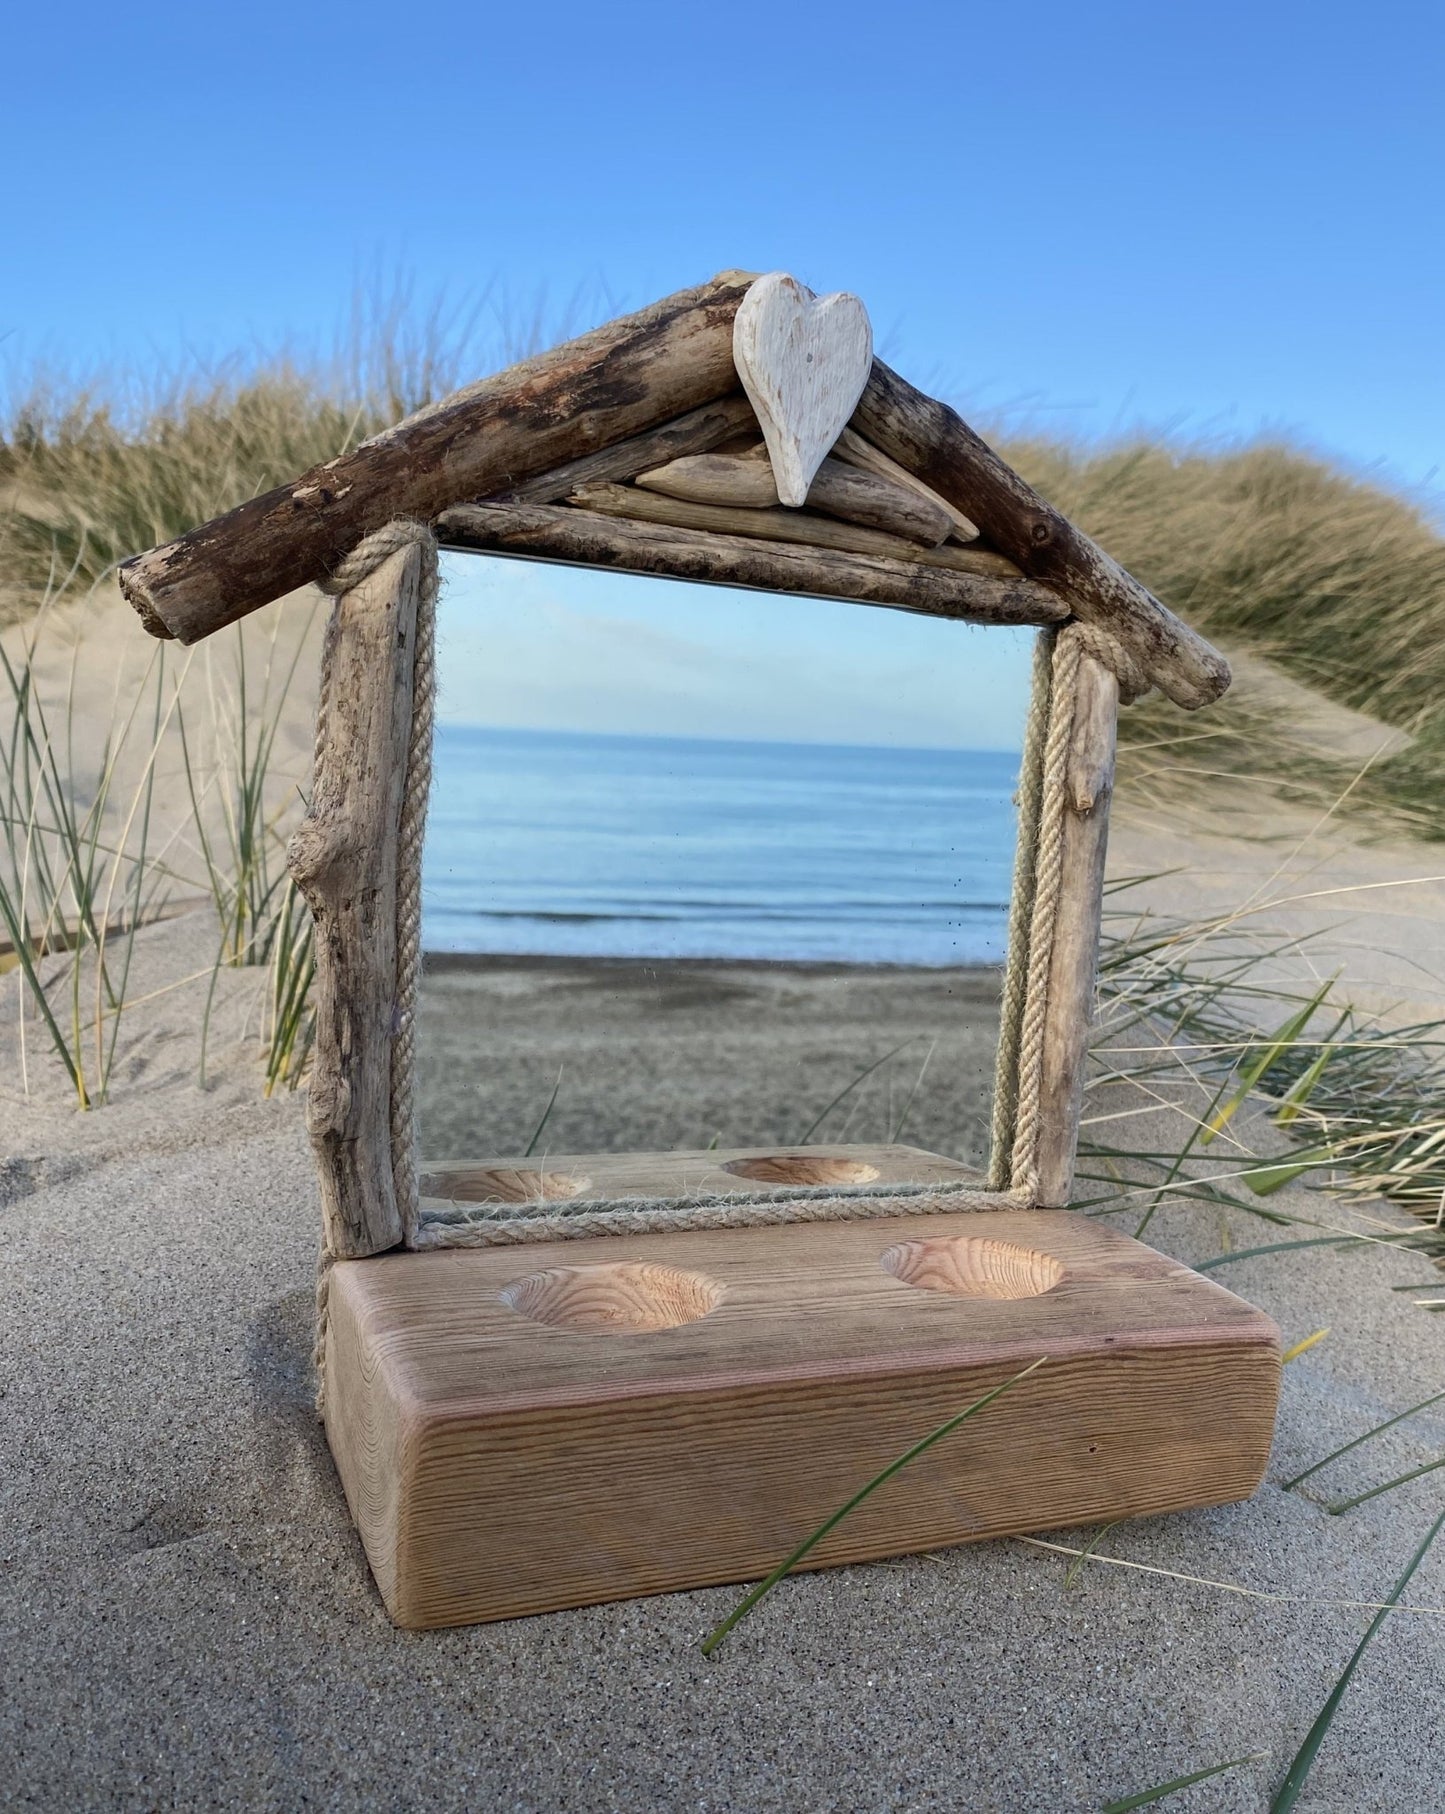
{"points": [[582, 845]]}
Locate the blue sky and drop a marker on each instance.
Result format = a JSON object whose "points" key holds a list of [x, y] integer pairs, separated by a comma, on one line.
{"points": [[530, 646], [1214, 218]]}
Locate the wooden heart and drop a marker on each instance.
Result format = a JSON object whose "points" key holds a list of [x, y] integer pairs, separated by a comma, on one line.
{"points": [[803, 360]]}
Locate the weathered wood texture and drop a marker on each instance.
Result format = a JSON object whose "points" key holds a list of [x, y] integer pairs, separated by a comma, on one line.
{"points": [[344, 858], [803, 361], [800, 527], [547, 532], [931, 440], [523, 1429], [1073, 966], [838, 490], [699, 431], [855, 451], [616, 382]]}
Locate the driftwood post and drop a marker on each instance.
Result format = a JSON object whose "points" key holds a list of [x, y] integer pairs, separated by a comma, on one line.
{"points": [[1073, 967], [344, 859]]}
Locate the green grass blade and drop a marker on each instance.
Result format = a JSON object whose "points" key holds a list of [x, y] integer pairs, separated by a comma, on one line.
{"points": [[537, 1131], [1250, 1253], [790, 1561], [1346, 1505], [1378, 1430], [1175, 1784], [1289, 1789], [1273, 1051], [1078, 1562]]}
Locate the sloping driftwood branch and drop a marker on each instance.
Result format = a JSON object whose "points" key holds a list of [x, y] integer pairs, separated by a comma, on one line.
{"points": [[934, 442], [550, 532], [629, 376], [628, 379]]}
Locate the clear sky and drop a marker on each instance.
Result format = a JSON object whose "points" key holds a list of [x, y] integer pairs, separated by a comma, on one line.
{"points": [[1214, 218], [561, 648]]}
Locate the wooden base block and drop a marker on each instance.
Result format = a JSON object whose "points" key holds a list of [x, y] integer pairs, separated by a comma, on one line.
{"points": [[521, 1429]]}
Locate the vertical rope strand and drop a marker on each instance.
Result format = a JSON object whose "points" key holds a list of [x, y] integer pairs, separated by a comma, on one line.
{"points": [[1048, 878], [410, 835], [1021, 901]]}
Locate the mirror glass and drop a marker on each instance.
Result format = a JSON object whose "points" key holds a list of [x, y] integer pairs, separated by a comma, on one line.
{"points": [[708, 868]]}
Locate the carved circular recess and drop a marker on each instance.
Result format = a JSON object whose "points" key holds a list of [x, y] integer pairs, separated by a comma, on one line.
{"points": [[802, 1168], [503, 1184], [625, 1298], [969, 1266]]}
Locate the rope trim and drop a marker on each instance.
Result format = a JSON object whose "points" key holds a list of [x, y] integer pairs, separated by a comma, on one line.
{"points": [[1020, 916], [658, 1217]]}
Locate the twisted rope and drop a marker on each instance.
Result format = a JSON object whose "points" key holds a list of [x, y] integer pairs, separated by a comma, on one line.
{"points": [[1048, 881], [670, 1217], [1110, 652], [1020, 915]]}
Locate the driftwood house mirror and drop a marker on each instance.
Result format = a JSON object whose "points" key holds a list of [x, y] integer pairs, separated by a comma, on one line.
{"points": [[546, 1385]]}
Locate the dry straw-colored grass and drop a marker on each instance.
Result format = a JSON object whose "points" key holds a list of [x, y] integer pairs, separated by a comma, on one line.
{"points": [[1336, 578]]}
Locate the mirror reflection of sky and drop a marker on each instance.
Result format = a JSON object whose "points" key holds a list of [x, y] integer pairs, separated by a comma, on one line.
{"points": [[528, 646], [634, 767]]}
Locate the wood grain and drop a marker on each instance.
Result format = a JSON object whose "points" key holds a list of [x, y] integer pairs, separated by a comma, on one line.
{"points": [[838, 490], [695, 433], [1073, 966], [926, 585], [803, 361], [678, 1410], [852, 448], [343, 857], [932, 441], [800, 527], [620, 380]]}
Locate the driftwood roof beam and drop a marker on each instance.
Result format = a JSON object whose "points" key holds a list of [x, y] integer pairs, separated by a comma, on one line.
{"points": [[838, 490], [565, 533], [616, 382], [776, 524], [933, 441], [698, 432]]}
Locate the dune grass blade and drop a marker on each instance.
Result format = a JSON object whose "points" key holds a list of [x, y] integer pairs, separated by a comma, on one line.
{"points": [[293, 969], [540, 1128], [1289, 1790], [848, 1089], [1252, 1253], [895, 1132], [1072, 1573], [1378, 1430], [1388, 1486], [1175, 1784], [789, 1562], [1302, 1347], [1250, 1073]]}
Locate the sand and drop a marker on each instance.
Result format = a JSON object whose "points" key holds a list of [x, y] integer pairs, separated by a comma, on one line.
{"points": [[186, 1618], [662, 1055]]}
